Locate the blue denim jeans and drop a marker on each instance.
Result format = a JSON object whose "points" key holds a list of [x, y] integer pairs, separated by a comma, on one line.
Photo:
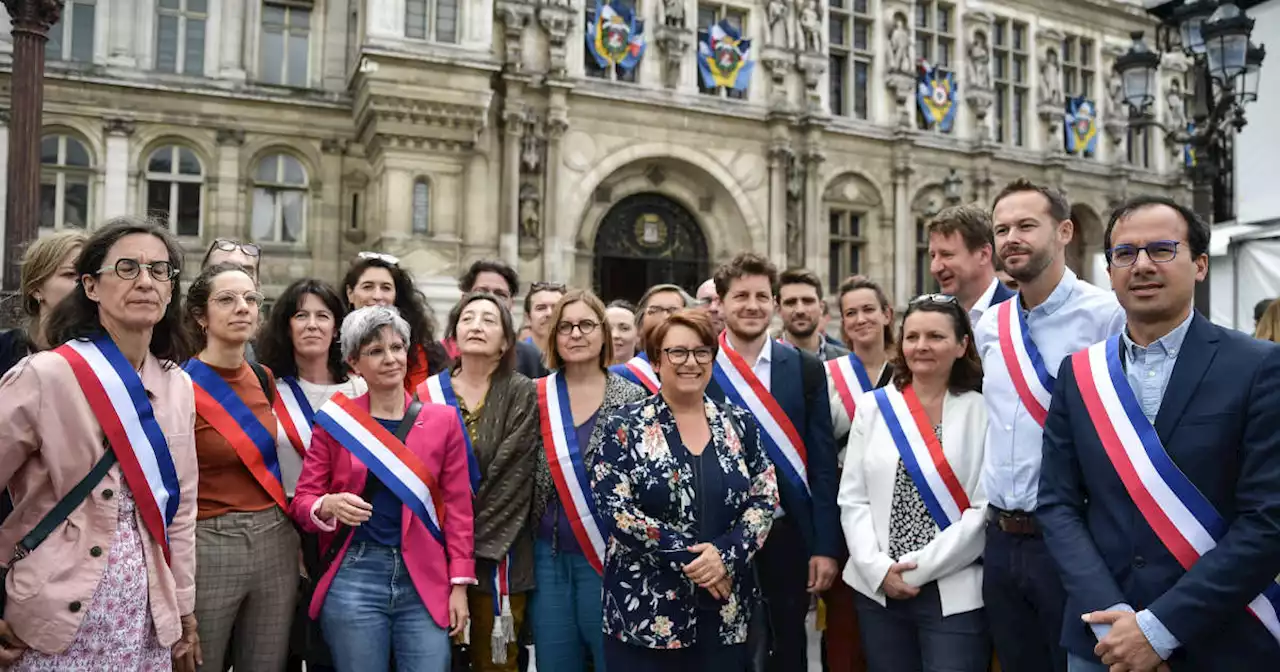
{"points": [[565, 611], [913, 635], [373, 610]]}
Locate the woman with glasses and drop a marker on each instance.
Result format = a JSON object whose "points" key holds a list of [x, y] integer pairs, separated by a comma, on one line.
{"points": [[94, 591], [621, 315], [687, 496], [912, 504], [568, 553], [500, 411], [48, 275], [246, 546], [386, 485], [377, 279]]}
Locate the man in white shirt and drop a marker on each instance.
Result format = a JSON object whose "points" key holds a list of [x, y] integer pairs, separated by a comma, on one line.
{"points": [[1022, 343], [961, 259]]}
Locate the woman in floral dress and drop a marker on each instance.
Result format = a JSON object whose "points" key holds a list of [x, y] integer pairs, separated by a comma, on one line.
{"points": [[686, 495]]}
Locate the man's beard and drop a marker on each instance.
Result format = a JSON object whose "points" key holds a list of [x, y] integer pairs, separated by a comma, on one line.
{"points": [[803, 333], [1037, 262]]}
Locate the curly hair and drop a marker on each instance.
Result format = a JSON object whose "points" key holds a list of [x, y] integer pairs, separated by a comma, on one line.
{"points": [[412, 306], [966, 373], [275, 341]]}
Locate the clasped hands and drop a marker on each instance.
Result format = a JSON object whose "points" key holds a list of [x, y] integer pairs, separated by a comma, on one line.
{"points": [[708, 571], [1125, 648]]}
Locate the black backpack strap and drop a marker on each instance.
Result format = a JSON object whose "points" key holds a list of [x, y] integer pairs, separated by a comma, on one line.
{"points": [[65, 506], [268, 387]]}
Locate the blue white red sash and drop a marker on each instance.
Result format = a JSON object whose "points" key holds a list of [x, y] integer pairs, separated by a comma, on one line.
{"points": [[120, 404], [504, 625], [639, 371], [386, 457], [568, 468], [1184, 519], [922, 455], [294, 413], [1022, 359], [850, 379], [438, 389], [783, 443], [227, 413]]}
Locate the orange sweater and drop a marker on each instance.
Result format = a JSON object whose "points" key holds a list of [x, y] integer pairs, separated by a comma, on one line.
{"points": [[227, 485]]}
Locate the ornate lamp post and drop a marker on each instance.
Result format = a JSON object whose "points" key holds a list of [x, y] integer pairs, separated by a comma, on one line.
{"points": [[1225, 71], [952, 187]]}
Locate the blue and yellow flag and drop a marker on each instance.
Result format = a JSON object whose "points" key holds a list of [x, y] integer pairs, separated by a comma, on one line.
{"points": [[613, 37], [1080, 129], [1189, 149], [723, 57], [936, 95]]}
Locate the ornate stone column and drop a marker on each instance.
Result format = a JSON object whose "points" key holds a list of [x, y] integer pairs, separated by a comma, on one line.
{"points": [[903, 245], [813, 182], [116, 183], [513, 119], [226, 218], [231, 51], [31, 22], [780, 161], [557, 267]]}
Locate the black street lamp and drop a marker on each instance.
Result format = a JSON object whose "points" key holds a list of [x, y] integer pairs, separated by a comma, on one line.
{"points": [[1225, 72]]}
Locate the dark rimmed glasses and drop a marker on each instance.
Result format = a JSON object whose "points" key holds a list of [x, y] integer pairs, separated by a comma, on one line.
{"points": [[229, 245], [584, 327], [702, 355], [130, 269], [942, 299], [1158, 251]]}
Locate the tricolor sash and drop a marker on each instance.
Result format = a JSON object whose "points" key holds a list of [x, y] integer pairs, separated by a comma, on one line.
{"points": [[438, 389], [294, 413], [568, 468], [781, 440], [1022, 358], [1181, 516], [922, 455], [639, 371], [227, 413], [120, 404], [386, 457], [504, 625], [850, 379]]}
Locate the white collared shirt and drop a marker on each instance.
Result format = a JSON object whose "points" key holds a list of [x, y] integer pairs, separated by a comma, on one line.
{"points": [[983, 302], [762, 367]]}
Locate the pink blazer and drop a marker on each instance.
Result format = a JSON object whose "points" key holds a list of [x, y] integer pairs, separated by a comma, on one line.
{"points": [[437, 438]]}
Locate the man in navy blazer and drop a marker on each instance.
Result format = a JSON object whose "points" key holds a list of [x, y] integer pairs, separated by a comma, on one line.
{"points": [[799, 557], [1213, 398], [962, 259]]}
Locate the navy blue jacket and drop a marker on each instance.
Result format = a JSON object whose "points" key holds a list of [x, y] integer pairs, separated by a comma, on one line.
{"points": [[1219, 421], [809, 409], [1001, 294]]}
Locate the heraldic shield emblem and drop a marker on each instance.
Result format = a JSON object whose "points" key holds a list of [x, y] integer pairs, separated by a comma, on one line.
{"points": [[723, 57], [936, 96], [613, 37], [1081, 127]]}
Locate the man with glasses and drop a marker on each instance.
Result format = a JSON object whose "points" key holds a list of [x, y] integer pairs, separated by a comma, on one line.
{"points": [[497, 278], [710, 301], [245, 255], [1022, 342], [1160, 487], [658, 303]]}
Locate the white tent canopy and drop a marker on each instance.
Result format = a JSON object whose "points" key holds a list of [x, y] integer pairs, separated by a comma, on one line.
{"points": [[1244, 264]]}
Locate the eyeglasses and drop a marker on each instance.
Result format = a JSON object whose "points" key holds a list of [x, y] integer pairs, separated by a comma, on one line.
{"points": [[547, 287], [702, 355], [585, 327], [378, 256], [1158, 251], [664, 310], [227, 300], [129, 269], [228, 245], [943, 299]]}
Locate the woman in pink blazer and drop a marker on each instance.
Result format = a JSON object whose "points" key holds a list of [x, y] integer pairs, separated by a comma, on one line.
{"points": [[401, 512]]}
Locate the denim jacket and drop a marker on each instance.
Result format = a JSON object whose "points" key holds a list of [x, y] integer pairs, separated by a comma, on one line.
{"points": [[646, 498]]}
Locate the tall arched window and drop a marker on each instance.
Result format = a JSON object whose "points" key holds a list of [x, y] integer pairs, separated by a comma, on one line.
{"points": [[279, 199], [421, 207], [175, 189], [66, 182]]}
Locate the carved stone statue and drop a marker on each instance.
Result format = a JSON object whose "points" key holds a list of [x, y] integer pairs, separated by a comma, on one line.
{"points": [[1115, 99], [782, 27], [979, 62], [530, 220], [1051, 79], [900, 45], [531, 150], [671, 13], [1177, 105], [811, 25]]}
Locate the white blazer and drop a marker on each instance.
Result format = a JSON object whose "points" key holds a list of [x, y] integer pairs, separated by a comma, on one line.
{"points": [[866, 495]]}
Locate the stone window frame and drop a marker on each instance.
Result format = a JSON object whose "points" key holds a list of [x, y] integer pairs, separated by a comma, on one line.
{"points": [[848, 234], [1011, 56], [426, 183], [422, 20], [62, 45], [184, 16], [286, 30], [58, 174], [174, 178], [719, 11], [842, 32], [278, 185], [1079, 66]]}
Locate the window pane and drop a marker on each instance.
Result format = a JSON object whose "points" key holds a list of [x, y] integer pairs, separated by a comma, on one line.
{"points": [[273, 15], [836, 85], [855, 225], [198, 6], [82, 33], [861, 34], [1019, 101], [49, 201], [53, 48], [188, 164], [170, 4], [836, 27], [299, 20], [1002, 101], [1019, 36], [158, 193], [421, 207], [833, 266], [998, 33], [264, 214], [861, 90], [706, 16], [298, 60], [854, 260], [49, 150], [1068, 51], [1086, 83], [188, 209], [1001, 63], [944, 52], [193, 60], [447, 20], [1019, 69], [415, 19], [860, 6], [944, 19], [293, 172], [922, 15], [834, 220], [161, 160], [292, 209], [75, 202], [271, 60], [77, 155], [167, 43], [267, 169]]}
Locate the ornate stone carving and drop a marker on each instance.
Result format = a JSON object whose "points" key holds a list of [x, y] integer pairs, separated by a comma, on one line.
{"points": [[811, 26], [334, 145], [781, 32], [556, 17], [979, 61], [118, 126], [671, 13], [34, 14], [230, 136], [530, 215], [900, 60], [674, 43], [795, 211], [532, 145], [1051, 78], [514, 16], [812, 67]]}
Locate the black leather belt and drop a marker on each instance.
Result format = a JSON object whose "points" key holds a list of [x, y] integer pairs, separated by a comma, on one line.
{"points": [[1013, 522]]}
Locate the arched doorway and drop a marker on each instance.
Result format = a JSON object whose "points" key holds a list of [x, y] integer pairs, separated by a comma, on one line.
{"points": [[644, 240]]}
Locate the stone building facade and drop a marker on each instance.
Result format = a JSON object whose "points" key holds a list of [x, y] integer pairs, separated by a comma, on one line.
{"points": [[442, 131]]}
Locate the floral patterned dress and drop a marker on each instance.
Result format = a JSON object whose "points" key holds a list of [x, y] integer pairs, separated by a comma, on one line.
{"points": [[117, 633]]}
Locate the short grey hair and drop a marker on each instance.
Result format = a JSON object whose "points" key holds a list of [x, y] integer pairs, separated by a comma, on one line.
{"points": [[361, 326]]}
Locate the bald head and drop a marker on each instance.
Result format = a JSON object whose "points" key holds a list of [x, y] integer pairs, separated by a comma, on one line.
{"points": [[709, 300]]}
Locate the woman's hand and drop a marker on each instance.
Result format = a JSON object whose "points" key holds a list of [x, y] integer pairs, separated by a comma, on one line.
{"points": [[11, 647], [458, 610], [723, 589], [187, 656], [708, 568], [348, 508], [893, 584]]}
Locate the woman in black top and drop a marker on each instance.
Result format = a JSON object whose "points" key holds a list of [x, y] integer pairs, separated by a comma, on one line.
{"points": [[48, 274]]}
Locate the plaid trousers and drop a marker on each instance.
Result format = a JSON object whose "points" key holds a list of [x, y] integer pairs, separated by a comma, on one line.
{"points": [[246, 589]]}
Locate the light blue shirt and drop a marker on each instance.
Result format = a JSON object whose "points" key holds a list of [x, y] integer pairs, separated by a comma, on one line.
{"points": [[1075, 316], [1148, 371]]}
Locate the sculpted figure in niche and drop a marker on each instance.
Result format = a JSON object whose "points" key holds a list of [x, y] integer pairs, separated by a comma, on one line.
{"points": [[672, 13], [1115, 99], [782, 27], [1177, 107], [811, 25], [900, 45], [530, 220], [979, 62], [1051, 79]]}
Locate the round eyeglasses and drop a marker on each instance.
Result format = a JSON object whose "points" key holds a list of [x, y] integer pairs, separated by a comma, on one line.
{"points": [[584, 327], [702, 355], [130, 269]]}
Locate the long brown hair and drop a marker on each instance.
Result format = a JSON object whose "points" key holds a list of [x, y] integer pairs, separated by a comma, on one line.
{"points": [[1268, 328], [852, 284], [966, 373], [597, 306]]}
